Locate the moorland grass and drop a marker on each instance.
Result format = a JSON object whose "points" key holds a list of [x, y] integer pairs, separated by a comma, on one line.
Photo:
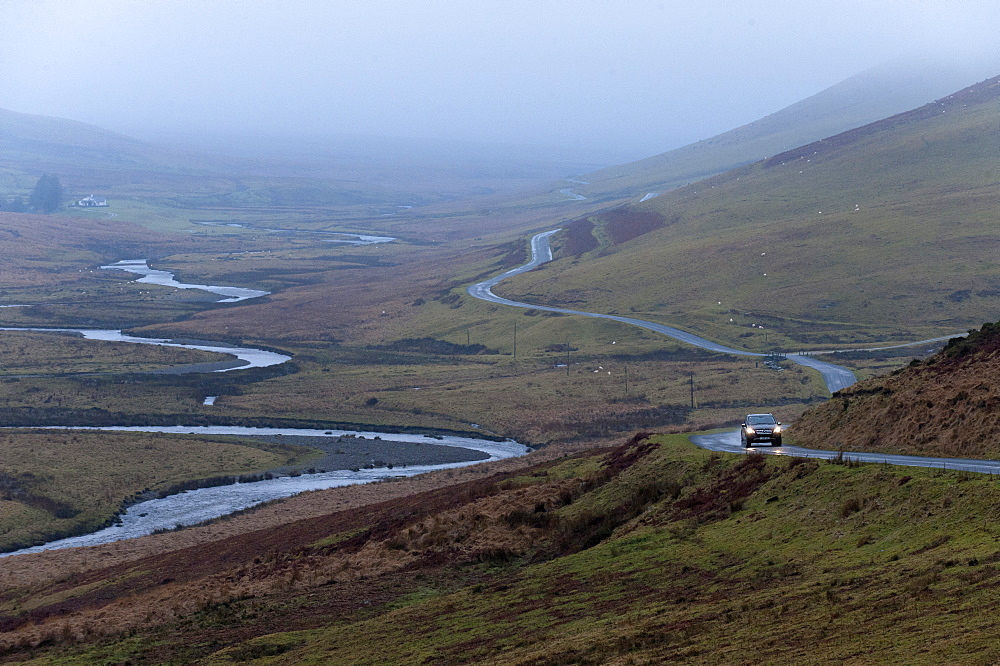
{"points": [[537, 398], [29, 353], [531, 398], [375, 296], [651, 552], [788, 573]]}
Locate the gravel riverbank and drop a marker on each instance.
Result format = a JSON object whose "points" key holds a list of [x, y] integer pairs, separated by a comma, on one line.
{"points": [[355, 452]]}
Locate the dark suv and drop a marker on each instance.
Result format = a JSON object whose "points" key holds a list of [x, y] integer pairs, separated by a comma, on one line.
{"points": [[759, 428]]}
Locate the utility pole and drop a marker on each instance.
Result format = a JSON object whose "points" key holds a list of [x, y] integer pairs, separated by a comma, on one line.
{"points": [[692, 390], [567, 358], [626, 380], [515, 340], [468, 338]]}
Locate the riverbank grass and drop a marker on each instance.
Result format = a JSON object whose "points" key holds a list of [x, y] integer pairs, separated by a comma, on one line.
{"points": [[62, 483], [38, 353]]}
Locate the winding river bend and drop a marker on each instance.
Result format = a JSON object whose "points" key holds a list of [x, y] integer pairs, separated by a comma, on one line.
{"points": [[196, 506], [245, 357], [166, 279]]}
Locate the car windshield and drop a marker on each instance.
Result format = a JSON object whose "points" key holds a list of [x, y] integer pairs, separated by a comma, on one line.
{"points": [[760, 419]]}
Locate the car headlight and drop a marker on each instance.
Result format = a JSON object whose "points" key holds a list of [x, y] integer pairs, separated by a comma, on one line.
{"points": [[751, 431], [777, 429]]}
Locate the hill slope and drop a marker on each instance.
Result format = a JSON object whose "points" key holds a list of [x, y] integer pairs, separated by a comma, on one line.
{"points": [[81, 154], [651, 552], [885, 232], [942, 406], [864, 98]]}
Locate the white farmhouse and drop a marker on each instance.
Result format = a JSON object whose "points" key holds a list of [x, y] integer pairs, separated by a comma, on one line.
{"points": [[90, 201]]}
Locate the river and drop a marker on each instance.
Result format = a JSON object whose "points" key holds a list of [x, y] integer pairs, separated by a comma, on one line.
{"points": [[166, 279], [247, 357], [344, 237], [196, 506]]}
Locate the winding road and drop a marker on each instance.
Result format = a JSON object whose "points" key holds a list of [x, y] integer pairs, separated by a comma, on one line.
{"points": [[835, 376], [729, 442]]}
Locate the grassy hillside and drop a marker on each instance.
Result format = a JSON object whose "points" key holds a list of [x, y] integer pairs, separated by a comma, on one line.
{"points": [[647, 552], [354, 319], [880, 233], [33, 141], [945, 406], [650, 552], [864, 98]]}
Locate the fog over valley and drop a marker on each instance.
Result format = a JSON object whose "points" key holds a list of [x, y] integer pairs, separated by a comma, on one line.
{"points": [[586, 84]]}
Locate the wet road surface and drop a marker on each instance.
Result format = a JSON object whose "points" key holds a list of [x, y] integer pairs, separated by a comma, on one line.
{"points": [[729, 442]]}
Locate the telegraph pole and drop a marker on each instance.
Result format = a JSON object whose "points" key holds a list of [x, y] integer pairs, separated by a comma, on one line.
{"points": [[515, 340], [692, 390]]}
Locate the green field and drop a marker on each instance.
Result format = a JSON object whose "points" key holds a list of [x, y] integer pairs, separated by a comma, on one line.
{"points": [[647, 552], [346, 313], [786, 565]]}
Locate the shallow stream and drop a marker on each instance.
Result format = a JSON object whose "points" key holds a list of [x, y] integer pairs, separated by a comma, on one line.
{"points": [[196, 506]]}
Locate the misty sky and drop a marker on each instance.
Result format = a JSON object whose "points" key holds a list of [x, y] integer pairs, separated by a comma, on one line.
{"points": [[612, 81]]}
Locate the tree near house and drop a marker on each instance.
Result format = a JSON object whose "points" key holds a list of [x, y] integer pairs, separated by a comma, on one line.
{"points": [[47, 195]]}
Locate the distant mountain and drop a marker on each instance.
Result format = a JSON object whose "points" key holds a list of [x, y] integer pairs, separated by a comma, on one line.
{"points": [[380, 174], [42, 143], [45, 140], [88, 159], [864, 98], [883, 232]]}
